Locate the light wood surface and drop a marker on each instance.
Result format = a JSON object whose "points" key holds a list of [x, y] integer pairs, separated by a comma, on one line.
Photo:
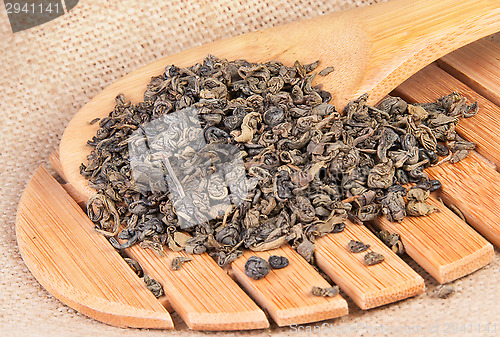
{"points": [[441, 243], [286, 297], [478, 66], [368, 286], [77, 265], [373, 49], [202, 293], [55, 163], [474, 187], [286, 293]]}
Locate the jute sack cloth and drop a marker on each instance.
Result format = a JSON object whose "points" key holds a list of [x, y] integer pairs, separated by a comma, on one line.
{"points": [[49, 72]]}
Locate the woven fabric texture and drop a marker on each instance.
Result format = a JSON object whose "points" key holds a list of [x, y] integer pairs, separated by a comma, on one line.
{"points": [[49, 72]]}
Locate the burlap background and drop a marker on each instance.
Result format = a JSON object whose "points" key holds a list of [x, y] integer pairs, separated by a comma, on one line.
{"points": [[47, 73]]}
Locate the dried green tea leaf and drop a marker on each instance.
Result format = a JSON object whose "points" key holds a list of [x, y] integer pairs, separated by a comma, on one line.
{"points": [[325, 292], [95, 120], [357, 246], [278, 262], [392, 240], [457, 211], [157, 247], [178, 261], [398, 248], [326, 71], [444, 291], [306, 250], [381, 175], [136, 267], [177, 241], [373, 258], [101, 210], [416, 205], [256, 268], [154, 286]]}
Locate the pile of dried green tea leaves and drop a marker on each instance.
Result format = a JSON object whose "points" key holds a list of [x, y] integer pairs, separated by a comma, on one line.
{"points": [[308, 167]]}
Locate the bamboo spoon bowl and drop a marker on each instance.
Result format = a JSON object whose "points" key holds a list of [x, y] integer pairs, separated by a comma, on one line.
{"points": [[373, 49]]}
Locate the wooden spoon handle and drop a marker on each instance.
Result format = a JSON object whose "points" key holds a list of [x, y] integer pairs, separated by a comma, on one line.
{"points": [[375, 48], [415, 33]]}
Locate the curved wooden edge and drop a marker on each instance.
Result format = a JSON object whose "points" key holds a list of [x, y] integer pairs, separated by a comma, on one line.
{"points": [[77, 266], [214, 303], [201, 292], [286, 293], [368, 286], [444, 245], [467, 264]]}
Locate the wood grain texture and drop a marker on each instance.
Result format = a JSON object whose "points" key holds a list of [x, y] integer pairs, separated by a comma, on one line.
{"points": [[202, 293], [474, 187], [369, 52], [55, 163], [286, 293], [441, 243], [432, 82], [368, 286], [77, 265], [75, 195], [478, 66]]}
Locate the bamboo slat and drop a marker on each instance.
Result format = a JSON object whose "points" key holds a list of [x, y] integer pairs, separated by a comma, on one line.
{"points": [[441, 243], [201, 292], [432, 82], [286, 293], [77, 265], [368, 286], [478, 66], [301, 307], [472, 185]]}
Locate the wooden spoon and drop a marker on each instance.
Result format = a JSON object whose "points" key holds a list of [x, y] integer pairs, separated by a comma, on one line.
{"points": [[373, 49]]}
